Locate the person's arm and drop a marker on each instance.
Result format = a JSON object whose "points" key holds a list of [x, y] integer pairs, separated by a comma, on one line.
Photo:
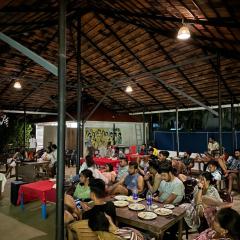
{"points": [[140, 184], [153, 188], [170, 199], [198, 196]]}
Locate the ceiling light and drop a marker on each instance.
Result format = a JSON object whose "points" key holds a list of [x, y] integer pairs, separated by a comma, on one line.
{"points": [[183, 33], [129, 89], [17, 85]]}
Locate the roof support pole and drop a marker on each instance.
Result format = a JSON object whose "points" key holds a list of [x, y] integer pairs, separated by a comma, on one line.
{"points": [[186, 95], [24, 128], [144, 127], [232, 125], [61, 122], [177, 132], [219, 103], [30, 54], [79, 98]]}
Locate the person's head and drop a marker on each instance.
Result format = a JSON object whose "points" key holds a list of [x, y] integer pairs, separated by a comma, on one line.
{"points": [[109, 167], [85, 176], [89, 161], [116, 149], [143, 146], [123, 162], [22, 151], [237, 153], [154, 167], [206, 179], [99, 222], [166, 171], [132, 168], [227, 223], [163, 155], [211, 140], [54, 147], [97, 189], [49, 149], [187, 154], [150, 151], [212, 166]]}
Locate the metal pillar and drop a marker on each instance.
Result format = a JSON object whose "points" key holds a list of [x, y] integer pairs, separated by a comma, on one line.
{"points": [[232, 125], [219, 103], [79, 98], [177, 132], [144, 128], [114, 134], [61, 122], [24, 129]]}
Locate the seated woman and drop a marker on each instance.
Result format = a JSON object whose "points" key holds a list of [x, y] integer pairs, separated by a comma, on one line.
{"points": [[225, 226], [20, 155], [103, 225], [206, 200], [97, 195], [109, 173], [82, 190]]}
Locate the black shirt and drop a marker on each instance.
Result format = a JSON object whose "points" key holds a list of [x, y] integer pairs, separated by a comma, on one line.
{"points": [[107, 208]]}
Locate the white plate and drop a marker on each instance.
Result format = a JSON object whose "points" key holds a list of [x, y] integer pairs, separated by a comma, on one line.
{"points": [[121, 198], [163, 211], [147, 215], [136, 206], [169, 206], [120, 203], [154, 206]]}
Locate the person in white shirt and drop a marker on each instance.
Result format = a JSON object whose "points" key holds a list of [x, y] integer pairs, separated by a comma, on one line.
{"points": [[90, 164], [213, 146], [32, 143]]}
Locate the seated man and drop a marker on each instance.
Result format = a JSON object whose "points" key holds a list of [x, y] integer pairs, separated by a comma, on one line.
{"points": [[129, 183], [231, 169], [171, 189], [188, 162], [163, 155], [154, 169], [122, 169], [151, 154], [213, 169]]}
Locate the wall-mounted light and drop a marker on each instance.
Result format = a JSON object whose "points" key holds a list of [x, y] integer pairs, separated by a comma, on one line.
{"points": [[129, 89], [17, 85]]}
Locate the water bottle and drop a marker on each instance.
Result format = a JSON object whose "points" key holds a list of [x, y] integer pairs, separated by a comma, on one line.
{"points": [[135, 195], [149, 200]]}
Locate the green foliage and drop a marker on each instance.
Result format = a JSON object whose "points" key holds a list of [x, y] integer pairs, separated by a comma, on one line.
{"points": [[14, 134]]}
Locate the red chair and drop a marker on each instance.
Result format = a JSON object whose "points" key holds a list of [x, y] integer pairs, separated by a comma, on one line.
{"points": [[133, 149]]}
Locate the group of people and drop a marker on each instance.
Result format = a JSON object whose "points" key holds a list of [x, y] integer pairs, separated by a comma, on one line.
{"points": [[165, 178], [48, 156]]}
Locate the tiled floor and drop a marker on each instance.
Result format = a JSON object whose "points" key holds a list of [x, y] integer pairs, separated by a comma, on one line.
{"points": [[25, 225]]}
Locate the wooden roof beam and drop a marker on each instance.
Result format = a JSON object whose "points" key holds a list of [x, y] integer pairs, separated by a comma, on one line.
{"points": [[131, 52], [216, 22], [179, 69]]}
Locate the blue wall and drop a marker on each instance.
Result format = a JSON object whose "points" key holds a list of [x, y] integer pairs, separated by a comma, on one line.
{"points": [[192, 141]]}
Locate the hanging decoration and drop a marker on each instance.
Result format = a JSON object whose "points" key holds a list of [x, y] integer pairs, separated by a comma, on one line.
{"points": [[4, 119]]}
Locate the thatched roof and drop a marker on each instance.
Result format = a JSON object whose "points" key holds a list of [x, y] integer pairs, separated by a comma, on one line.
{"points": [[127, 42]]}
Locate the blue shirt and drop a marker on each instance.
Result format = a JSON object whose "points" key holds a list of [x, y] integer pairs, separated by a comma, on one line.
{"points": [[131, 181], [233, 163]]}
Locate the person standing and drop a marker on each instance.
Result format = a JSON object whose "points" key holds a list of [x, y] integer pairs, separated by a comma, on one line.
{"points": [[32, 143]]}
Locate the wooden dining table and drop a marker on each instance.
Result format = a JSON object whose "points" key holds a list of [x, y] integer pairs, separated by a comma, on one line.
{"points": [[157, 226]]}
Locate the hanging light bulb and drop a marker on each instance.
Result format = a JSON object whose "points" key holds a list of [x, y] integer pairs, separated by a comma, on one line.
{"points": [[183, 33], [129, 89], [17, 85]]}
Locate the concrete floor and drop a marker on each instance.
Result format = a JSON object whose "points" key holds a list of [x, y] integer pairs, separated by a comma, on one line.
{"points": [[17, 224]]}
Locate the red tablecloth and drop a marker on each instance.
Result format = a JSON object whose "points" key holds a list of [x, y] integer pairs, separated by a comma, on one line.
{"points": [[41, 190]]}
